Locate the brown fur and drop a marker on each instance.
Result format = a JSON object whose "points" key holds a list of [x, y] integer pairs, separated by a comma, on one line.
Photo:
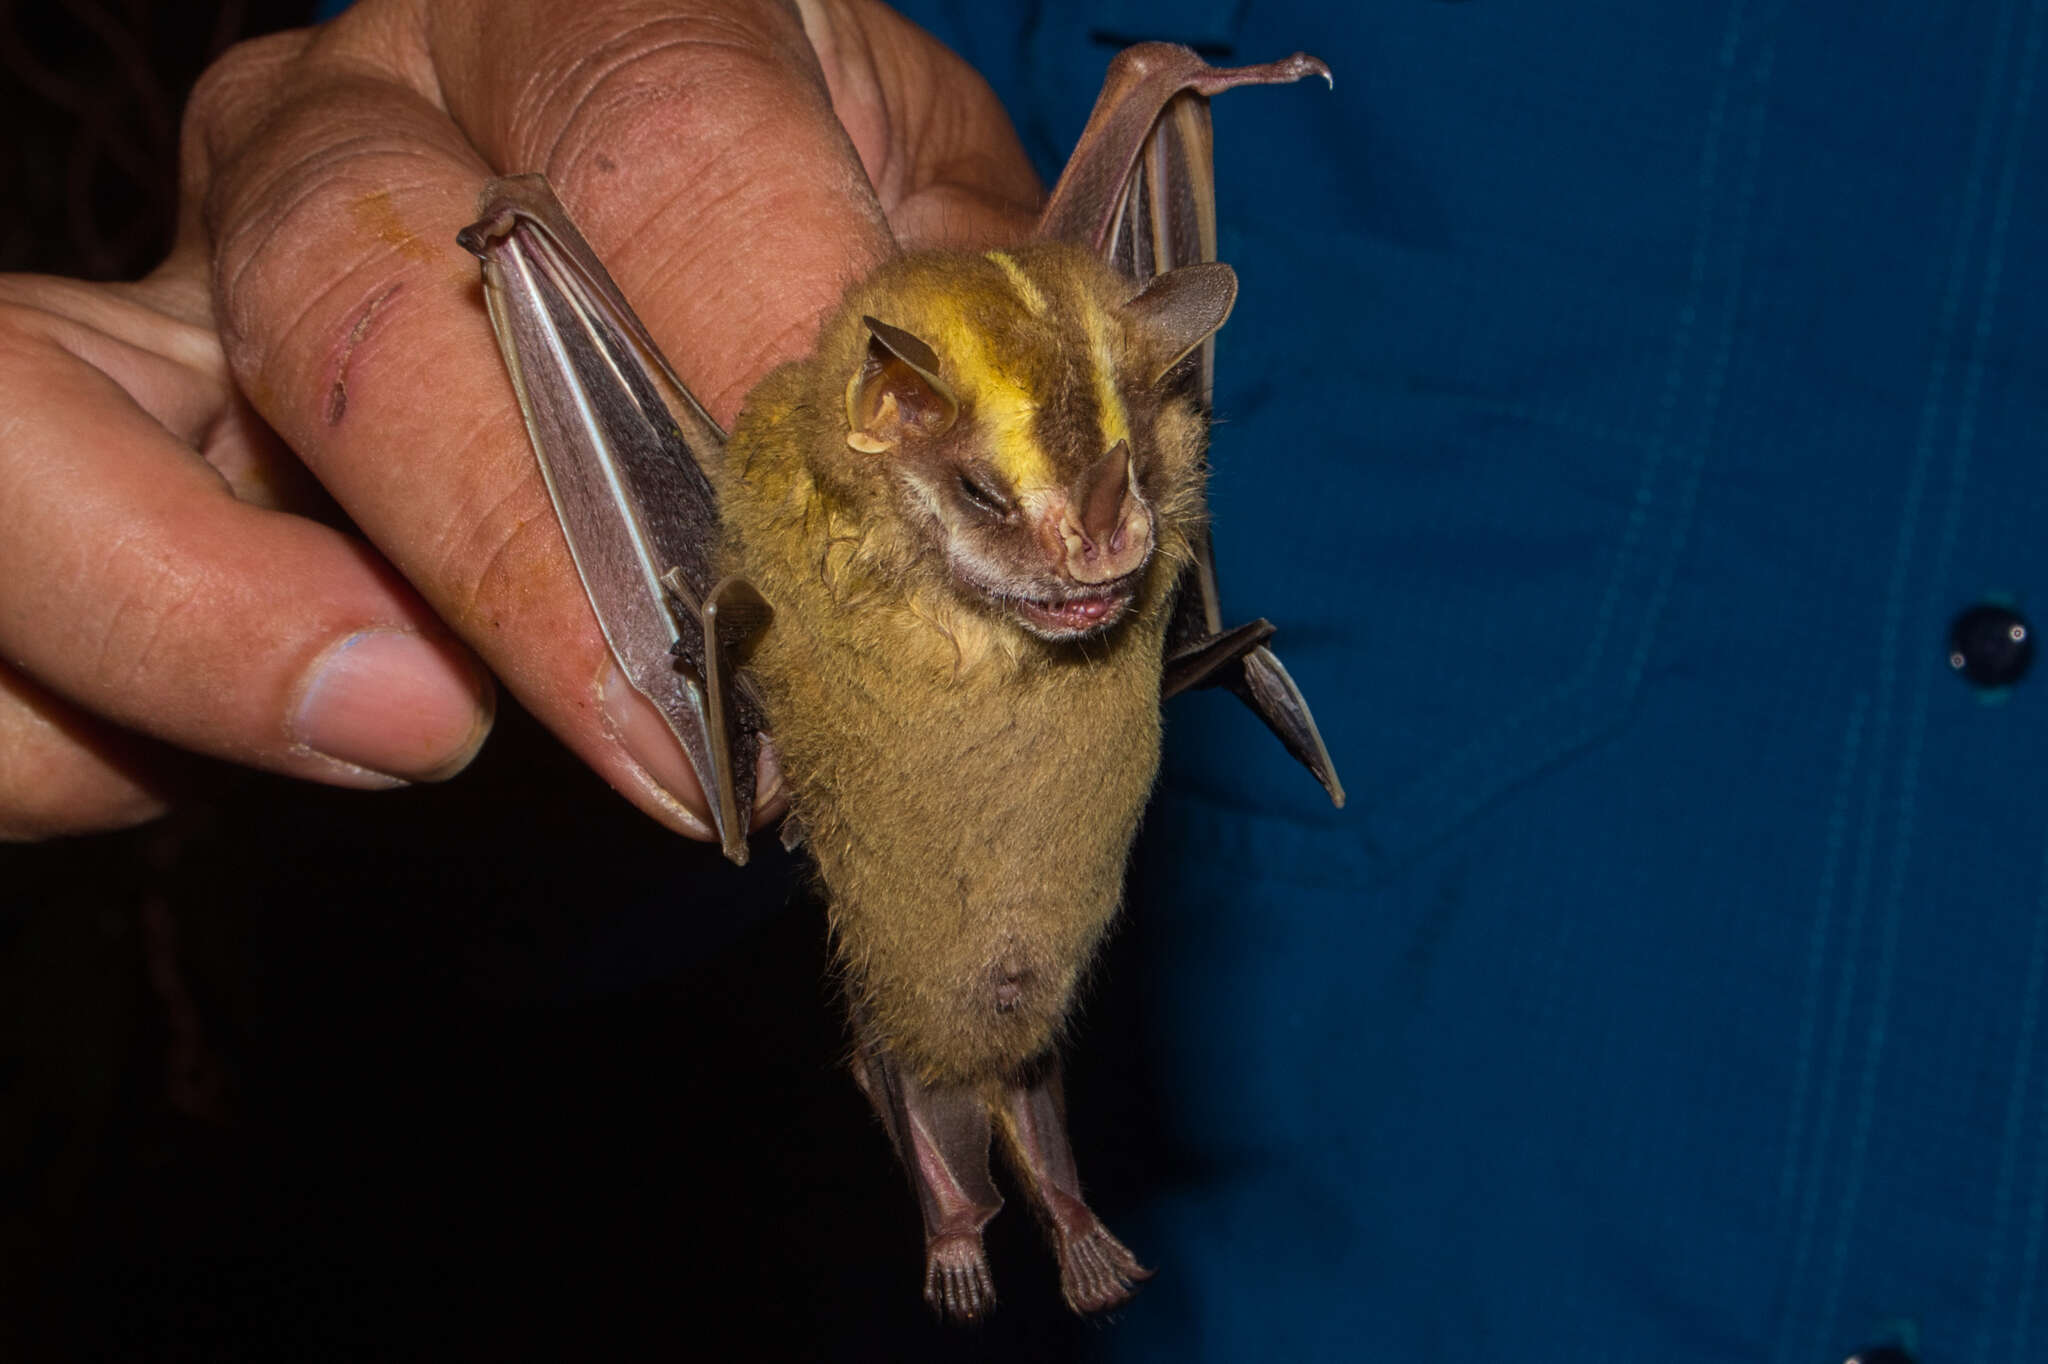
{"points": [[969, 791]]}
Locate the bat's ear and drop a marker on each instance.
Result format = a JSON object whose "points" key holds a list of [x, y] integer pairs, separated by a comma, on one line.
{"points": [[1183, 308], [896, 392]]}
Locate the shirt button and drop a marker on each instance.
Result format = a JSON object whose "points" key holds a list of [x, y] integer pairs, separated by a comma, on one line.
{"points": [[1991, 645]]}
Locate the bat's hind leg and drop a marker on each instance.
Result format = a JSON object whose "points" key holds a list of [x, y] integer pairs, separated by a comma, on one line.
{"points": [[941, 1134], [1096, 1270]]}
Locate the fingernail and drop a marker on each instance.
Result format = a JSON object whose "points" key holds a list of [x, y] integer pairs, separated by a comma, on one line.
{"points": [[645, 736], [401, 705]]}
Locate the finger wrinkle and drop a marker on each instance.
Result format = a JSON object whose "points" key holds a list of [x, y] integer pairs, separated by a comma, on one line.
{"points": [[523, 578], [688, 203], [509, 509], [504, 502], [503, 477], [746, 211], [953, 142], [346, 138], [490, 124], [742, 355], [799, 336], [161, 620], [656, 36], [293, 195], [640, 101], [154, 591], [182, 399], [269, 197], [644, 53], [730, 248], [349, 168]]}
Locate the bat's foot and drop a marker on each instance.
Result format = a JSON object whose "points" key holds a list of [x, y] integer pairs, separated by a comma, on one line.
{"points": [[957, 1282], [941, 1133], [1097, 1271]]}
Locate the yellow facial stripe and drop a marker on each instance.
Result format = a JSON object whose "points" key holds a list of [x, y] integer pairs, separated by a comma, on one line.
{"points": [[1004, 406], [1116, 421], [1007, 411], [1034, 300], [977, 366]]}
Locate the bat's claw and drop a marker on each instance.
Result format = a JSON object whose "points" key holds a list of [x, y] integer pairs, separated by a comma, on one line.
{"points": [[957, 1282], [1097, 1271]]}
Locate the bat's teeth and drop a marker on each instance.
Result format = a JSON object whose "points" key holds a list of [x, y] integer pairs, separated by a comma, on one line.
{"points": [[1074, 615], [1080, 613]]}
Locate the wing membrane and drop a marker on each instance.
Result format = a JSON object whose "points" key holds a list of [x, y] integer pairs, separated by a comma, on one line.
{"points": [[622, 445]]}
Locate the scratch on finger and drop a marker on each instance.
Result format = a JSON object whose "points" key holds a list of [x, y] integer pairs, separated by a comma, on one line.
{"points": [[337, 396]]}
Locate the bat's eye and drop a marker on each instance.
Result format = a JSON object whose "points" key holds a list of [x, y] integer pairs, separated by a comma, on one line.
{"points": [[982, 499]]}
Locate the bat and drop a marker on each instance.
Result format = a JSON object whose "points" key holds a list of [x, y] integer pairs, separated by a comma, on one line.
{"points": [[952, 563]]}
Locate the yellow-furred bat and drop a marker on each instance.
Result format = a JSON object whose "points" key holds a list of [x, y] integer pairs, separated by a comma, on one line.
{"points": [[951, 563]]}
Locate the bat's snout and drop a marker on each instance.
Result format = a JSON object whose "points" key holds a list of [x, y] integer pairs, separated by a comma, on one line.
{"points": [[1103, 528]]}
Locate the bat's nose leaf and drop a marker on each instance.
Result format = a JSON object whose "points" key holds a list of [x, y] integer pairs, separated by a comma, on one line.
{"points": [[1101, 498]]}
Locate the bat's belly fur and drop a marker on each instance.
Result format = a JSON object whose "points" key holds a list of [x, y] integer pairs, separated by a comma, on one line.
{"points": [[972, 838], [969, 793]]}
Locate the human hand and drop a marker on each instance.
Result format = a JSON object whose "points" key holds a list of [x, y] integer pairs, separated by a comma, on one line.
{"points": [[160, 576]]}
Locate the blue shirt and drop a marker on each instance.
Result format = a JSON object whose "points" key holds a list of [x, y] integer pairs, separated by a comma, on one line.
{"points": [[1622, 403]]}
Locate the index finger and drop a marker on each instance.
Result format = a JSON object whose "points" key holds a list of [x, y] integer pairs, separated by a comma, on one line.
{"points": [[355, 323]]}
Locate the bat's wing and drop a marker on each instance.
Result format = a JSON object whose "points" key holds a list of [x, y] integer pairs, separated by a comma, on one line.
{"points": [[622, 444], [1140, 191]]}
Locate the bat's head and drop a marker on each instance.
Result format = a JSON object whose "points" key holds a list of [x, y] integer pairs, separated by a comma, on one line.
{"points": [[1014, 409]]}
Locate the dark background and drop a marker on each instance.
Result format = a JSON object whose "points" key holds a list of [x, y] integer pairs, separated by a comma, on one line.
{"points": [[493, 1070]]}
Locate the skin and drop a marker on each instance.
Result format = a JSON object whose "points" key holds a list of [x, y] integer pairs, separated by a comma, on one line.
{"points": [[176, 580]]}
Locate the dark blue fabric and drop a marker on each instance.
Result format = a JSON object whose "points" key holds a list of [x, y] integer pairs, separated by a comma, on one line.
{"points": [[1623, 399]]}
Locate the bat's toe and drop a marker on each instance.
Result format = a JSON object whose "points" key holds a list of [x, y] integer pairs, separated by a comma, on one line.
{"points": [[1097, 1271], [957, 1282]]}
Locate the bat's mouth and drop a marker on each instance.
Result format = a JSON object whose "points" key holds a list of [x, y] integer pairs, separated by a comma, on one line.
{"points": [[1078, 614], [1054, 611]]}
